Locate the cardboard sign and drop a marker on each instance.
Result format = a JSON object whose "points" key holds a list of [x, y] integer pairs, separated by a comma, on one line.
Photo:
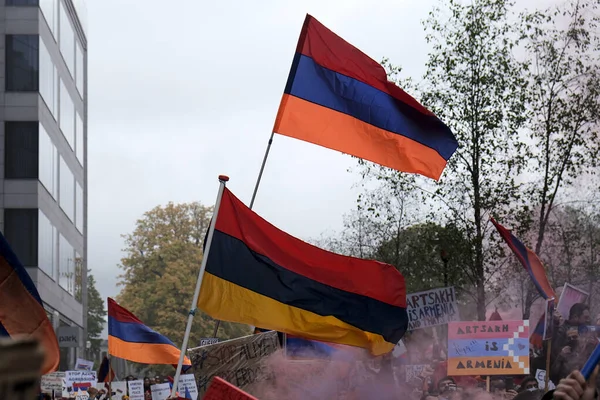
{"points": [[431, 308], [223, 390], [239, 361], [488, 348], [53, 381], [570, 296], [84, 365], [549, 320], [136, 390], [161, 391], [188, 382]]}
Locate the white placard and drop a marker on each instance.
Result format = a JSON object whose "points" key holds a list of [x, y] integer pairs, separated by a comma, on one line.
{"points": [[136, 390], [432, 307], [53, 381], [161, 391], [540, 375], [188, 381], [78, 381], [84, 365]]}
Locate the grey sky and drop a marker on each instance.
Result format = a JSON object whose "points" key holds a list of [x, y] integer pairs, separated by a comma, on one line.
{"points": [[180, 92]]}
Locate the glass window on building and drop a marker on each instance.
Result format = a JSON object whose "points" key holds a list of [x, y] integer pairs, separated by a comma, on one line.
{"points": [[47, 246], [48, 80], [48, 162], [67, 39], [67, 190], [78, 207], [21, 2], [20, 230], [21, 150], [66, 264], [22, 64], [79, 143], [79, 68], [67, 115], [48, 8], [78, 277]]}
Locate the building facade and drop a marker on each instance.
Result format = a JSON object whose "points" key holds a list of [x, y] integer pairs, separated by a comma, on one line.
{"points": [[43, 162]]}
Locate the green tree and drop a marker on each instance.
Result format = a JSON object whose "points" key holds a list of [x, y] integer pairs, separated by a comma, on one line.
{"points": [[96, 315], [161, 264], [563, 103]]}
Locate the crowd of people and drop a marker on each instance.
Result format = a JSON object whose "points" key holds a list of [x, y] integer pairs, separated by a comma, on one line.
{"points": [[572, 342]]}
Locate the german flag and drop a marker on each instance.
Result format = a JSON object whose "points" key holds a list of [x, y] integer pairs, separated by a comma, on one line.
{"points": [[259, 275], [337, 97]]}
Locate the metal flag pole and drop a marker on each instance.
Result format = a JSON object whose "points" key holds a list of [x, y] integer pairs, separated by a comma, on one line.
{"points": [[222, 180], [262, 168]]}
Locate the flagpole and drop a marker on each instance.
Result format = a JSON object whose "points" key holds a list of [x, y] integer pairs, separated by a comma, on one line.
{"points": [[262, 168], [222, 180]]}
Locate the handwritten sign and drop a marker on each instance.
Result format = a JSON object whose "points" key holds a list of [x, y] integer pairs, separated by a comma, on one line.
{"points": [[53, 381], [240, 361], [136, 390], [162, 391], [188, 382], [413, 371], [488, 348], [431, 308], [78, 381], [222, 390]]}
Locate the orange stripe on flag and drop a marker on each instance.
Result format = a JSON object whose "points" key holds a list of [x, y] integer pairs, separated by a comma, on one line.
{"points": [[144, 353], [303, 120]]}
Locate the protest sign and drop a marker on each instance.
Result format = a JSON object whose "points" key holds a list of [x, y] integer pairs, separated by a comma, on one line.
{"points": [[222, 390], [431, 308], [549, 320], [20, 365], [188, 382], [117, 388], [136, 390], [208, 341], [78, 381], [570, 296], [540, 376], [488, 348], [84, 365], [239, 361], [162, 391], [413, 371], [53, 381]]}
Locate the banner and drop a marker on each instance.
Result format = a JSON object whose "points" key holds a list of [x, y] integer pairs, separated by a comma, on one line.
{"points": [[238, 361], [208, 341], [136, 390], [570, 296], [488, 348], [431, 308]]}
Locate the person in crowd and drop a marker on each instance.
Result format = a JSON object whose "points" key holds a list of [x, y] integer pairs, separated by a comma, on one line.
{"points": [[528, 384], [574, 387], [573, 355], [579, 317]]}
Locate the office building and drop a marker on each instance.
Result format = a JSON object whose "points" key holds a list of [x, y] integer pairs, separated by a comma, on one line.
{"points": [[43, 164]]}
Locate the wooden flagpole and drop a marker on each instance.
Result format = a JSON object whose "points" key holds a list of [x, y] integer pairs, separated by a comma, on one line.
{"points": [[222, 180]]}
